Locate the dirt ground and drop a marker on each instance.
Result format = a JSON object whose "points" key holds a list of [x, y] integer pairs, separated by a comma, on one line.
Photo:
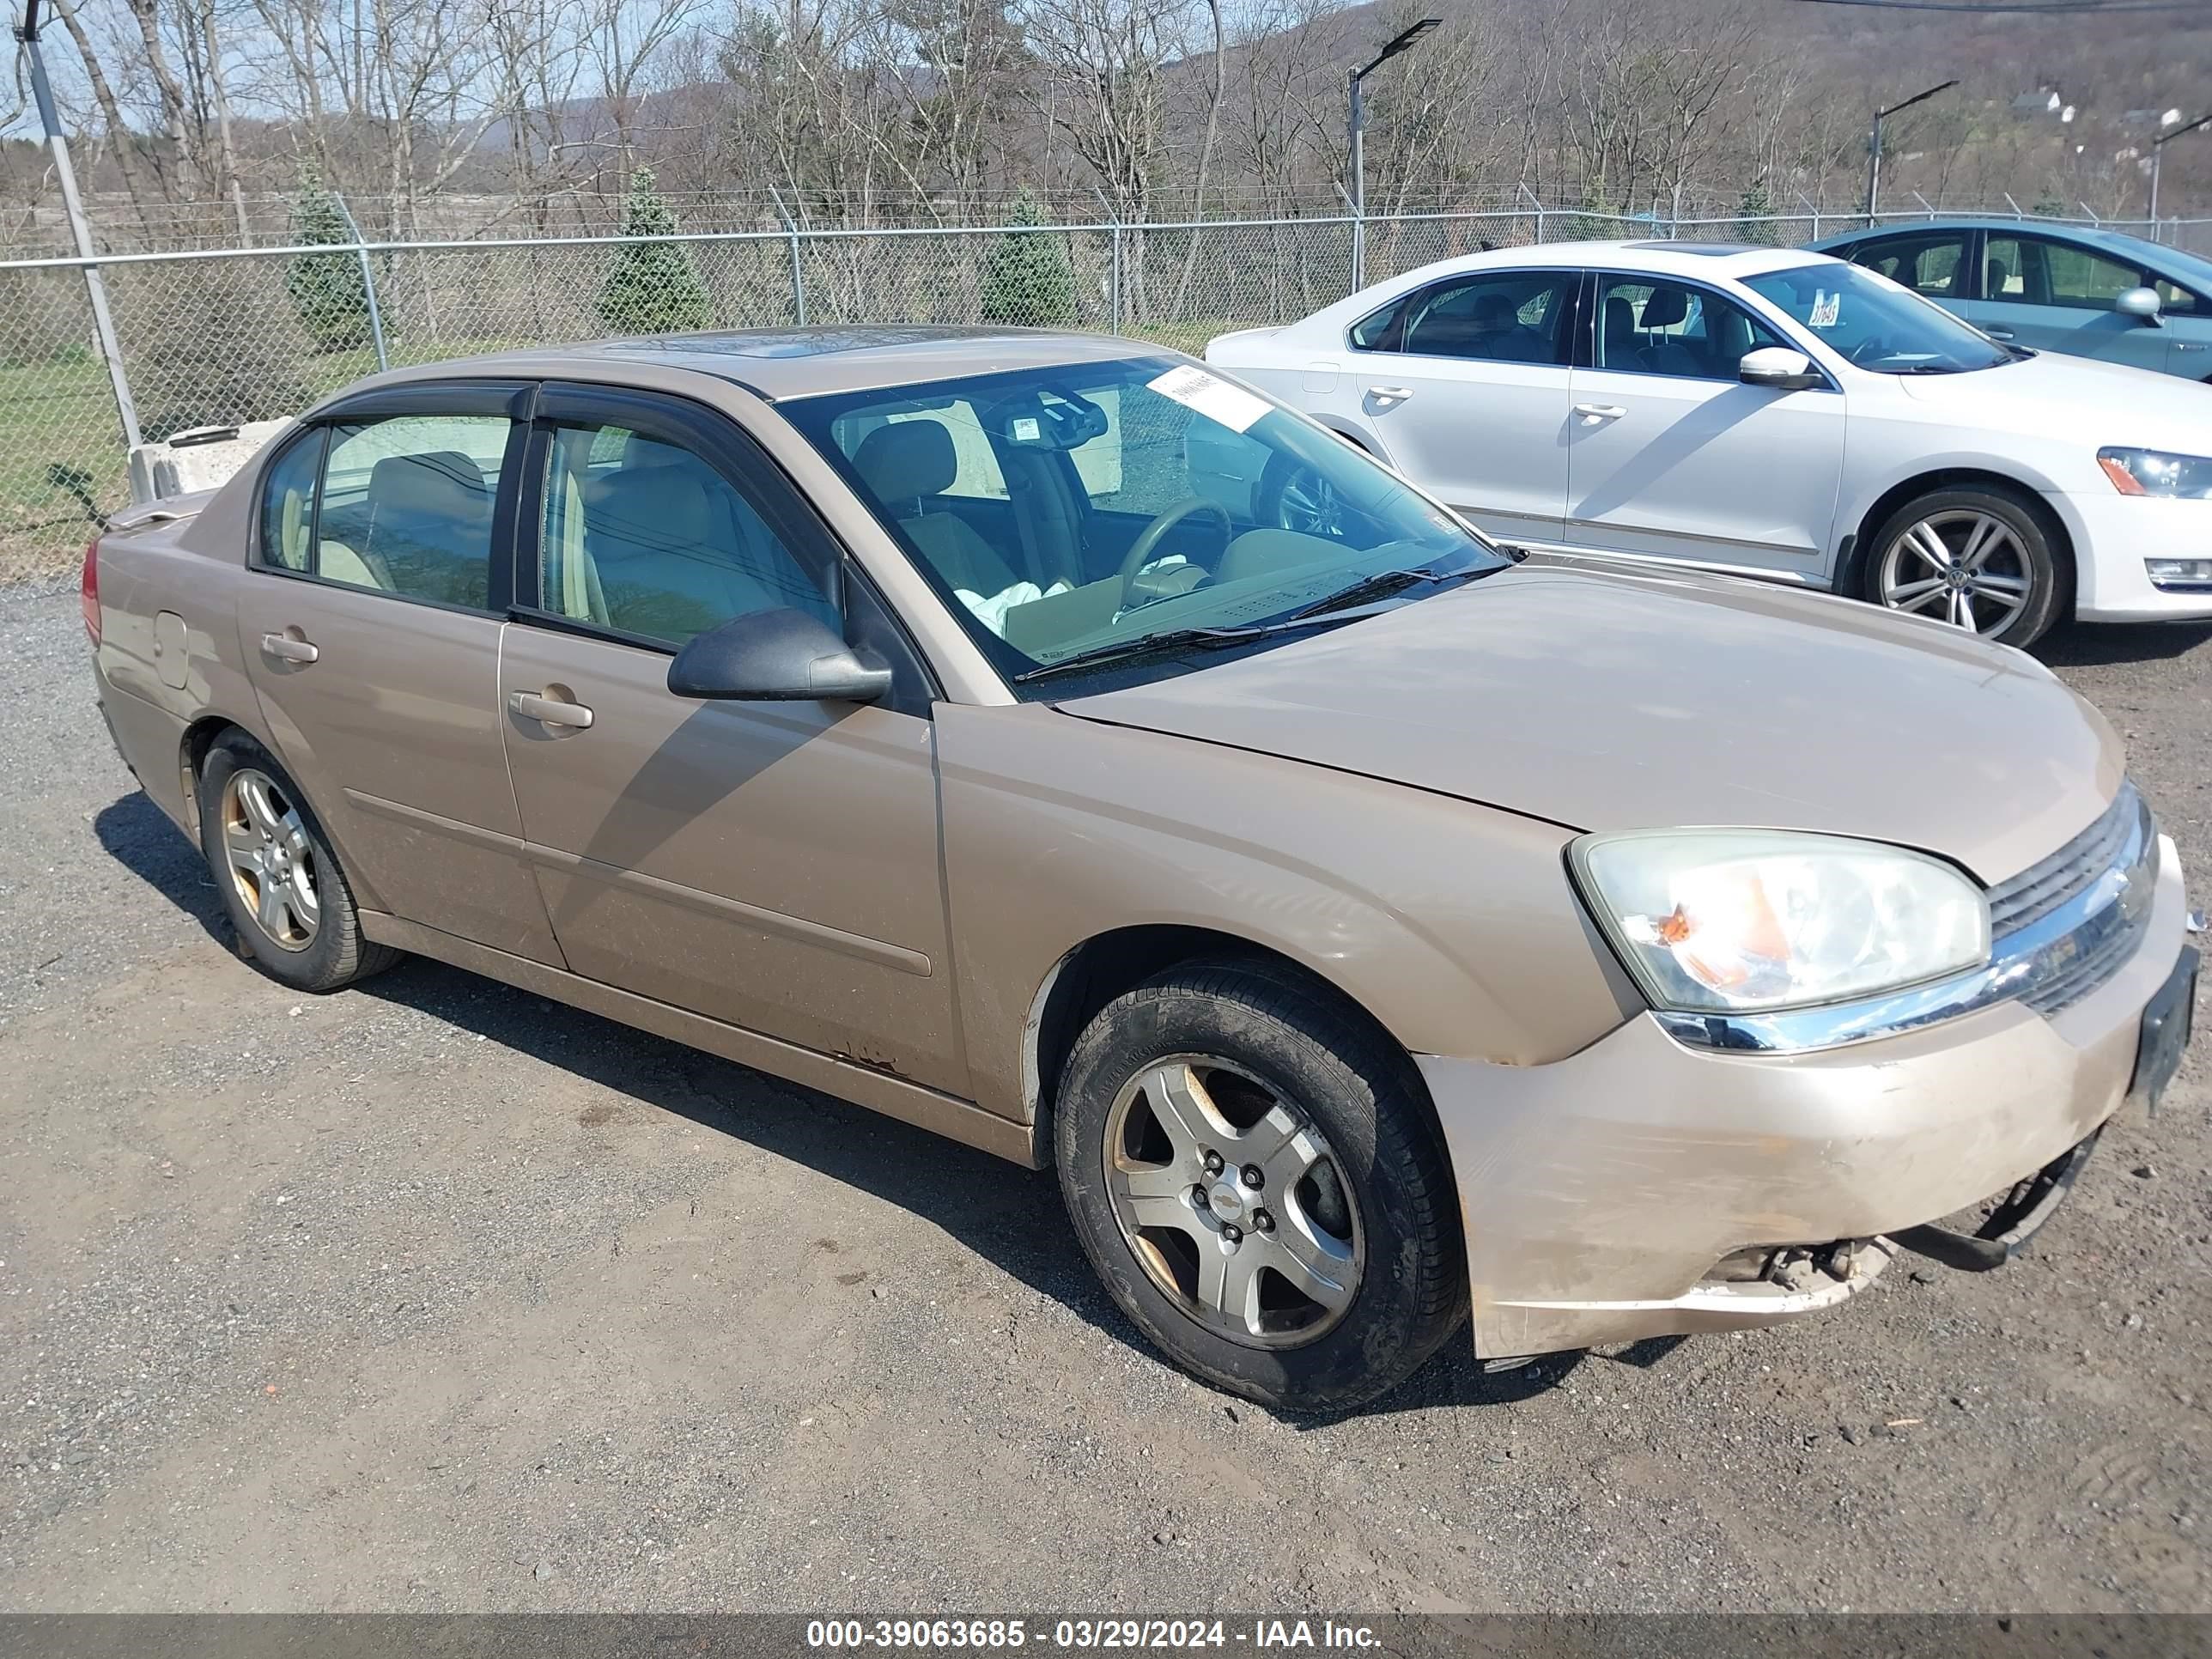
{"points": [[434, 1296]]}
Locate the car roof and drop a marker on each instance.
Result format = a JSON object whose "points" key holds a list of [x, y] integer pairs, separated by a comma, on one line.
{"points": [[2113, 241], [1731, 259], [781, 363]]}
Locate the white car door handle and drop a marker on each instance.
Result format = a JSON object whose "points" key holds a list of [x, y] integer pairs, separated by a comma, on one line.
{"points": [[1599, 411], [1390, 394], [550, 710], [285, 648]]}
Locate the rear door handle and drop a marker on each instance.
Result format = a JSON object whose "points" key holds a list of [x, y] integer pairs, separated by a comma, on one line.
{"points": [[550, 710], [1998, 333], [285, 648], [1390, 394], [1599, 411]]}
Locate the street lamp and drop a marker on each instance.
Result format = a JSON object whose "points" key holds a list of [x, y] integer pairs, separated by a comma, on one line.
{"points": [[1873, 146], [2157, 150], [1399, 43]]}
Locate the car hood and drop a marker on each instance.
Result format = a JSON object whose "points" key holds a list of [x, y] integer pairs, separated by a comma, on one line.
{"points": [[2109, 403], [1604, 699]]}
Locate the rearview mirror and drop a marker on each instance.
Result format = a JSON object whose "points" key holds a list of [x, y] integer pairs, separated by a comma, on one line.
{"points": [[2140, 303], [774, 656], [1778, 367]]}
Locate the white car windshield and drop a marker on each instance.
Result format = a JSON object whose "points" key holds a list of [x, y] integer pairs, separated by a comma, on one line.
{"points": [[1874, 323], [1133, 513]]}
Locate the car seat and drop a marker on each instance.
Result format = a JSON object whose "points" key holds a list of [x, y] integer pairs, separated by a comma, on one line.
{"points": [[903, 464]]}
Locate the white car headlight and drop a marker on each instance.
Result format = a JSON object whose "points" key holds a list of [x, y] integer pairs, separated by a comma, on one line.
{"points": [[1754, 920], [2157, 472]]}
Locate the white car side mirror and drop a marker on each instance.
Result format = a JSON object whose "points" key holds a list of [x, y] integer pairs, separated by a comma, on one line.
{"points": [[1778, 367]]}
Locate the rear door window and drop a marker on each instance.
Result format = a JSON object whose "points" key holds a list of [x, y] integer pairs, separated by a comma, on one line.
{"points": [[1933, 265], [401, 505]]}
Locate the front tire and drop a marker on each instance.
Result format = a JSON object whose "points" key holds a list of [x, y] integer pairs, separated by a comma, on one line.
{"points": [[287, 898], [1256, 1177], [1978, 557]]}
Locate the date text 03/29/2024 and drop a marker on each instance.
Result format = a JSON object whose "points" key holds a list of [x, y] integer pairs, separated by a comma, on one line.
{"points": [[1258, 1635]]}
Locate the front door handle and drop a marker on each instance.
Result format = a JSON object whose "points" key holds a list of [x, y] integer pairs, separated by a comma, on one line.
{"points": [[285, 648], [1599, 411], [1998, 333], [553, 711], [1390, 394]]}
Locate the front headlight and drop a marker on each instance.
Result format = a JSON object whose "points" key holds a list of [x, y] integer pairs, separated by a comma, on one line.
{"points": [[2156, 472], [1753, 920]]}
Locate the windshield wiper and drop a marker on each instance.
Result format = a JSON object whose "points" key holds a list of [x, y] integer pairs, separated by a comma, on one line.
{"points": [[1379, 585], [1175, 639]]}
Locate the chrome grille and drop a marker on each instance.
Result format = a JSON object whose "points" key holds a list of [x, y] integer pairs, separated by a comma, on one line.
{"points": [[2120, 849], [2041, 887]]}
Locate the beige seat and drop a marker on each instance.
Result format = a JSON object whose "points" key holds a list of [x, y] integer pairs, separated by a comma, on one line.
{"points": [[905, 464]]}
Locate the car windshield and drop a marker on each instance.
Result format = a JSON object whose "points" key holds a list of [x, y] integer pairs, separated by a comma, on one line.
{"points": [[1876, 325], [1136, 512]]}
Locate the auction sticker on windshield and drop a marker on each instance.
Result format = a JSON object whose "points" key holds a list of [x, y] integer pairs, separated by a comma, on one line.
{"points": [[1219, 401]]}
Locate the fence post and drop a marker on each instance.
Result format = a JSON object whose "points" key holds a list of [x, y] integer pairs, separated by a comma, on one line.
{"points": [[798, 263], [1359, 238], [1114, 271], [96, 285], [368, 283], [1535, 202]]}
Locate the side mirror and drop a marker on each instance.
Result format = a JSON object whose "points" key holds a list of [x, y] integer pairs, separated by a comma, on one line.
{"points": [[774, 656], [2140, 303], [1778, 367]]}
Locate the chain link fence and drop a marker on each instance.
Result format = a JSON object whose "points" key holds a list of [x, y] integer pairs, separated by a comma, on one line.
{"points": [[220, 337]]}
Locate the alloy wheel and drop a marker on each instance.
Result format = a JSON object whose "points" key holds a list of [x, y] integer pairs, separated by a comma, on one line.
{"points": [[272, 861], [1963, 565], [1232, 1202]]}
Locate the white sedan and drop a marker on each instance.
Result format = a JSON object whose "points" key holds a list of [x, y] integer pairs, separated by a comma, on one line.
{"points": [[1765, 411]]}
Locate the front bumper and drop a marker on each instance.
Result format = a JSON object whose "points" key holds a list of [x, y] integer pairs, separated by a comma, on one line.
{"points": [[2113, 534], [1599, 1193]]}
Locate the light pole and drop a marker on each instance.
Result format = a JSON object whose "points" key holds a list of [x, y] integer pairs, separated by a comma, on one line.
{"points": [[2157, 151], [95, 286], [1398, 42], [1873, 146]]}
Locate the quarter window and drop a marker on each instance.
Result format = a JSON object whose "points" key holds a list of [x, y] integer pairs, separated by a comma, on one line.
{"points": [[648, 539], [288, 505], [2171, 296], [1670, 328]]}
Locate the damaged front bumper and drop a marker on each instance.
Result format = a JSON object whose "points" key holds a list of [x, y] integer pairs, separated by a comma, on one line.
{"points": [[1644, 1187]]}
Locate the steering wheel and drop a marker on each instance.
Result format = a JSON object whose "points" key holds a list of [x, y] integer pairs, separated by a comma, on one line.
{"points": [[1148, 539], [1870, 350]]}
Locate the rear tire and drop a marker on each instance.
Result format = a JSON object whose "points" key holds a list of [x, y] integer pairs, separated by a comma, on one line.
{"points": [[1320, 1285], [287, 896], [1975, 555]]}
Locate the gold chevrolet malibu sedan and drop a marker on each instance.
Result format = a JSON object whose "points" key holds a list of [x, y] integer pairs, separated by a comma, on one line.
{"points": [[1051, 741]]}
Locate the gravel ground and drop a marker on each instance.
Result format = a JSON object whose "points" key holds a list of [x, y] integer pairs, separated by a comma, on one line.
{"points": [[434, 1296]]}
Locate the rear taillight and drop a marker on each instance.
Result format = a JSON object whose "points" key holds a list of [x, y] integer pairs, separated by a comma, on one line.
{"points": [[89, 588]]}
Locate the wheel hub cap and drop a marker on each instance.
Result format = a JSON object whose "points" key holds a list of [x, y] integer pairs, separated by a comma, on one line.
{"points": [[1961, 566], [1232, 1202], [264, 841], [1226, 1200]]}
